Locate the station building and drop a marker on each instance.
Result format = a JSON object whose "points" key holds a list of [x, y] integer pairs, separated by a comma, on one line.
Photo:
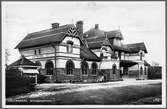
{"points": [[64, 53]]}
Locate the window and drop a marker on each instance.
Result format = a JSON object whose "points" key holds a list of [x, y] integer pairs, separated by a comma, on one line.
{"points": [[39, 50], [114, 67], [84, 67], [141, 70], [94, 68], [145, 71], [49, 67], [69, 67], [35, 52], [69, 47], [101, 55]]}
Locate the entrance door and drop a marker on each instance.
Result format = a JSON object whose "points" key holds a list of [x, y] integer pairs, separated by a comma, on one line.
{"points": [[125, 72], [49, 67]]}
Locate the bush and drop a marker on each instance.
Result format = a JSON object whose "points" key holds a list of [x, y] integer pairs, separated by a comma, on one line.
{"points": [[154, 72], [16, 83], [41, 79]]}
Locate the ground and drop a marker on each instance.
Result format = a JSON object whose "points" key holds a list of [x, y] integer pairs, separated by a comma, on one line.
{"points": [[120, 92]]}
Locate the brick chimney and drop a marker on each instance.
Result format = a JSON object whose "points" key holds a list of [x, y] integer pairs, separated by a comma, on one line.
{"points": [[79, 26], [55, 25], [96, 26]]}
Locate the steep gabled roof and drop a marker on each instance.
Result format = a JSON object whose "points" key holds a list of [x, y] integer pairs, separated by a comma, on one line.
{"points": [[23, 61], [120, 48], [96, 38], [55, 35], [88, 55], [95, 42], [94, 33], [146, 63], [114, 34], [136, 47]]}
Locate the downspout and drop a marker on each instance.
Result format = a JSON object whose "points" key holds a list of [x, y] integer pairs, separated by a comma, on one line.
{"points": [[54, 46]]}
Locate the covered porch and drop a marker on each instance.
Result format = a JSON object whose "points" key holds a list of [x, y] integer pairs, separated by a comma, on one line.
{"points": [[124, 70]]}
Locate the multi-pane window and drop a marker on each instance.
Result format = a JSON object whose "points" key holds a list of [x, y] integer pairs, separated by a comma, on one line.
{"points": [[84, 66], [94, 68], [49, 67], [70, 67]]}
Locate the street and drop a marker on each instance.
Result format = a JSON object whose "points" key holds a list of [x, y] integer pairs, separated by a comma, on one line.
{"points": [[120, 92]]}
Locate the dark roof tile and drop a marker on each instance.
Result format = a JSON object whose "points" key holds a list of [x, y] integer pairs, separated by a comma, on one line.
{"points": [[136, 47], [114, 34], [44, 37], [23, 61], [88, 54]]}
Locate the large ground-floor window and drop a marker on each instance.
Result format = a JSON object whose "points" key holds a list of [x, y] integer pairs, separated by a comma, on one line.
{"points": [[70, 67], [49, 67], [94, 68], [114, 67], [84, 67]]}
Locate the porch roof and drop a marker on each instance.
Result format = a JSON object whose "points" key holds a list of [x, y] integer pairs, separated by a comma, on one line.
{"points": [[127, 63], [23, 61]]}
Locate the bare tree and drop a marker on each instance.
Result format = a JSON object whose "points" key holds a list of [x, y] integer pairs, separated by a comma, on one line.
{"points": [[7, 54]]}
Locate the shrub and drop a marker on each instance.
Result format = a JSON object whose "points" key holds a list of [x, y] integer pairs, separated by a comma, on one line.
{"points": [[154, 72], [16, 83], [41, 79]]}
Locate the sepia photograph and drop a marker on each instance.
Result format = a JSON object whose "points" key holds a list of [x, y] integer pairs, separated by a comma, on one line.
{"points": [[83, 54]]}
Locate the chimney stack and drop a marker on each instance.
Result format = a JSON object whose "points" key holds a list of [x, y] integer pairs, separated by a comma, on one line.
{"points": [[55, 25], [79, 26], [96, 26]]}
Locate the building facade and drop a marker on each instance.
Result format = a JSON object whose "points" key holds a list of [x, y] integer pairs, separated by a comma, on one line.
{"points": [[67, 54]]}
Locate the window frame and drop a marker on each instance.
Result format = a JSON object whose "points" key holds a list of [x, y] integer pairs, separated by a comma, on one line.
{"points": [[84, 67], [70, 66], [114, 68], [94, 67], [52, 66]]}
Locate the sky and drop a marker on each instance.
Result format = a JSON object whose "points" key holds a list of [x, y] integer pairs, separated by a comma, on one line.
{"points": [[138, 22]]}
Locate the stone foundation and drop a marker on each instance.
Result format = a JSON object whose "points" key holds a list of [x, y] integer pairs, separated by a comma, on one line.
{"points": [[61, 75]]}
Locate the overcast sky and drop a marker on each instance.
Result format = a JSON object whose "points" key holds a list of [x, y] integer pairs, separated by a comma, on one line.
{"points": [[138, 22]]}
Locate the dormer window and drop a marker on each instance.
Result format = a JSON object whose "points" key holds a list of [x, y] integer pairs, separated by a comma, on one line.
{"points": [[69, 46], [104, 49]]}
